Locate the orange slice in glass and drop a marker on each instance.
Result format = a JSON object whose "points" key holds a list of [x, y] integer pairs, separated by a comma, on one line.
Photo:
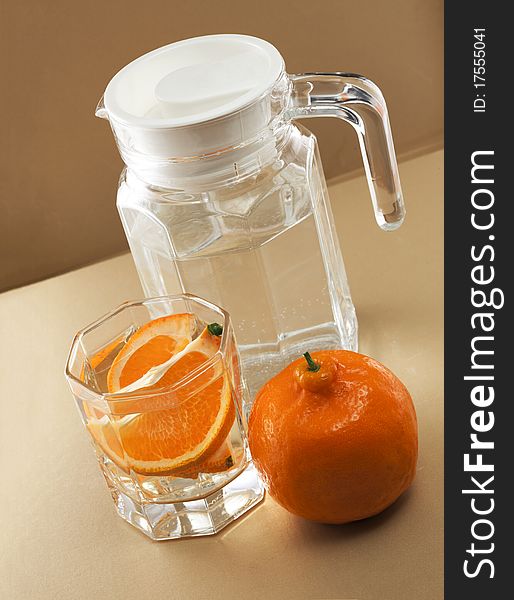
{"points": [[151, 345], [166, 431]]}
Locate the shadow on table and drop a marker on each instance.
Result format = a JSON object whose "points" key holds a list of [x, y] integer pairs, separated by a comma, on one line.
{"points": [[319, 532]]}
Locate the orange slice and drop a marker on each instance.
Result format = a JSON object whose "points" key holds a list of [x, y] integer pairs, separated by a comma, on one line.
{"points": [[151, 345], [222, 460], [166, 432]]}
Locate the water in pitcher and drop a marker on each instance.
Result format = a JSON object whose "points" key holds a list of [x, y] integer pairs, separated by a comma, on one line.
{"points": [[264, 250]]}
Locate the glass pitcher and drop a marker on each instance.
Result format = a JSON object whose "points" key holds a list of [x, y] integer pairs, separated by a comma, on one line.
{"points": [[223, 194]]}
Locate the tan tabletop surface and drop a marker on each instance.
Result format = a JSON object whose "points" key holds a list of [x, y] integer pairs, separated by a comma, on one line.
{"points": [[59, 535]]}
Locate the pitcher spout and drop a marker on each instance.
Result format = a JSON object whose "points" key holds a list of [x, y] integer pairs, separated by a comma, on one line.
{"points": [[100, 110]]}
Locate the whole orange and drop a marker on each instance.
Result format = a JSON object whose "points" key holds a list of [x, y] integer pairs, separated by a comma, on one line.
{"points": [[335, 440]]}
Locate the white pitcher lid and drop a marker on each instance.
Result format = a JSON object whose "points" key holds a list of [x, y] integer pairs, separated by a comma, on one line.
{"points": [[192, 82]]}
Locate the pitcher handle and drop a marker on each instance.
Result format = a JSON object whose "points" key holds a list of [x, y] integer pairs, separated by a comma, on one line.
{"points": [[358, 101]]}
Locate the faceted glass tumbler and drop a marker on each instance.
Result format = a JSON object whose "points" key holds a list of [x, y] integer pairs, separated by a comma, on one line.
{"points": [[206, 491]]}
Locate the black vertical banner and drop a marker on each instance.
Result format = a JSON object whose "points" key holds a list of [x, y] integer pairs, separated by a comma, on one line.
{"points": [[479, 254]]}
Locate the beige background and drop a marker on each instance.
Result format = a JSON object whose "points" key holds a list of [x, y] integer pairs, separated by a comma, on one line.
{"points": [[58, 164], [60, 538]]}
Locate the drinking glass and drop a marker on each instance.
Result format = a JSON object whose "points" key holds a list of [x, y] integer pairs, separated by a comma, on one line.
{"points": [[206, 492]]}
